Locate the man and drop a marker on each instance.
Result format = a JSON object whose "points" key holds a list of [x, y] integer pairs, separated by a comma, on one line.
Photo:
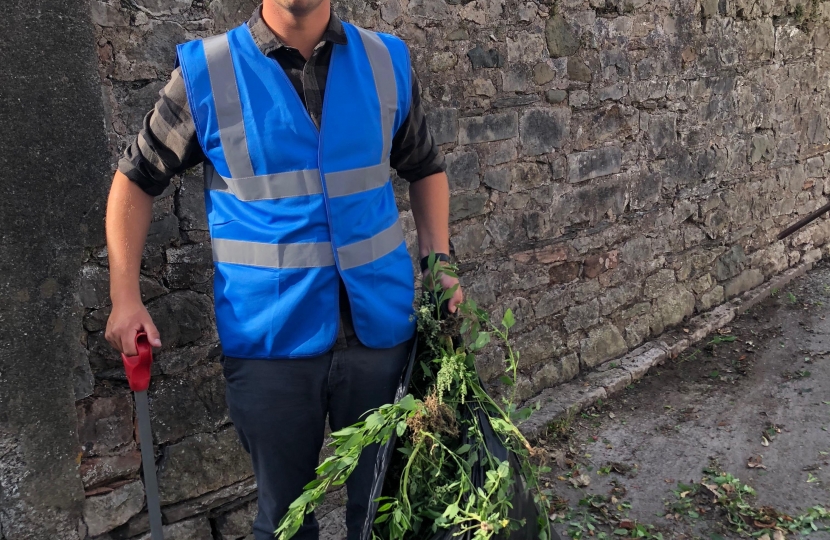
{"points": [[302, 218]]}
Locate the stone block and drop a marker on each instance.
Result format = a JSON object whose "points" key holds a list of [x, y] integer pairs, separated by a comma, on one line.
{"points": [[500, 152], [516, 78], [582, 316], [200, 464], [210, 502], [662, 132], [637, 330], [638, 362], [702, 284], [578, 70], [527, 47], [614, 92], [500, 179], [443, 125], [748, 279], [612, 122], [659, 283], [537, 346], [94, 286], [761, 147], [484, 87], [553, 301], [479, 58], [556, 96], [615, 297], [675, 305], [514, 101], [463, 170], [442, 61], [182, 318], [105, 424], [603, 343], [614, 379], [100, 470], [560, 37], [594, 163], [197, 528], [164, 232], [542, 130], [238, 522], [469, 241], [464, 205], [103, 513], [564, 400], [578, 99], [190, 200], [555, 371], [191, 403], [641, 91], [190, 267], [730, 263], [492, 127], [814, 168], [502, 228], [543, 73]]}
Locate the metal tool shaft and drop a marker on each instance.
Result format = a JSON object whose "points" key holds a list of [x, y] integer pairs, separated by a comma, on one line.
{"points": [[807, 220], [148, 461]]}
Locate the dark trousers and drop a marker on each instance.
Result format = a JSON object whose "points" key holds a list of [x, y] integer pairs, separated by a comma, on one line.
{"points": [[279, 409]]}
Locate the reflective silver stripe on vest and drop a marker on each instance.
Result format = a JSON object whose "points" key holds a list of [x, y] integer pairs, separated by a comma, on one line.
{"points": [[228, 105], [309, 255], [371, 249], [385, 83], [267, 186], [352, 181]]}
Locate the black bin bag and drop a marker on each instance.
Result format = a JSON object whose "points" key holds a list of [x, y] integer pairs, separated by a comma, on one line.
{"points": [[523, 505]]}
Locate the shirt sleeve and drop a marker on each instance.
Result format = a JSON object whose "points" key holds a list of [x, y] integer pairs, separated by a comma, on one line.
{"points": [[167, 144], [414, 152]]}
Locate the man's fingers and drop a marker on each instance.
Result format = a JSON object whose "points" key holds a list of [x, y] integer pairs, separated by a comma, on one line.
{"points": [[456, 299], [152, 334], [128, 343]]}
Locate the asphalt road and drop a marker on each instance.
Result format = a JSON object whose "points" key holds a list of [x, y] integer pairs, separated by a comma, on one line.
{"points": [[759, 391]]}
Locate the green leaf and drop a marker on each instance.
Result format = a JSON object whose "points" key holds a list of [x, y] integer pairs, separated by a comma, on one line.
{"points": [[463, 449], [465, 326], [447, 294], [451, 511], [401, 428], [482, 340], [621, 532], [408, 403], [345, 432], [427, 371], [506, 380], [508, 321]]}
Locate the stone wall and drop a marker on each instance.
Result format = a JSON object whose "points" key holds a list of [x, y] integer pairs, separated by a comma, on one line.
{"points": [[616, 166]]}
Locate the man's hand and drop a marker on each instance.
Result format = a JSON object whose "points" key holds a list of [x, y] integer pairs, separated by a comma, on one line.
{"points": [[447, 283], [125, 321]]}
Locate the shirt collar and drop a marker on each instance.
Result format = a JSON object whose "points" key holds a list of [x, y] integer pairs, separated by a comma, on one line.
{"points": [[268, 42]]}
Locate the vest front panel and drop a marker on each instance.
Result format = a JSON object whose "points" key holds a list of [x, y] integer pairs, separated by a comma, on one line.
{"points": [[289, 208]]}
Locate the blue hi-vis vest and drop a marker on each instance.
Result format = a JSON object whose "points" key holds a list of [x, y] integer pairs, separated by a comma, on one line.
{"points": [[290, 207]]}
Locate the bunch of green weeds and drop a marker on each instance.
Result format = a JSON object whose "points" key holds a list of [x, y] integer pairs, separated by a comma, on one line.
{"points": [[434, 481]]}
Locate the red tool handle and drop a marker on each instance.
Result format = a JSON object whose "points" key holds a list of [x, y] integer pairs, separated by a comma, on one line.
{"points": [[138, 366]]}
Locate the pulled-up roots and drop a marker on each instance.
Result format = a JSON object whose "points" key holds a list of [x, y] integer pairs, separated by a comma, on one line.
{"points": [[436, 418]]}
